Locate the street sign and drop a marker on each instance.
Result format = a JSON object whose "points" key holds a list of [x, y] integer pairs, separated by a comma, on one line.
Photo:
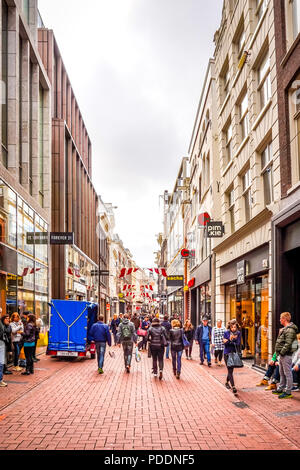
{"points": [[203, 219], [94, 272], [62, 238], [104, 273], [174, 281], [215, 229], [37, 238], [185, 254], [241, 269]]}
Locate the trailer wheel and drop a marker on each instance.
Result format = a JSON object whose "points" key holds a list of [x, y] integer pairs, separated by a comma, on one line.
{"points": [[93, 356]]}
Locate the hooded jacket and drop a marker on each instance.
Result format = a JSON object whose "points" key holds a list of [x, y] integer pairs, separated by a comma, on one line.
{"points": [[286, 340], [155, 335]]}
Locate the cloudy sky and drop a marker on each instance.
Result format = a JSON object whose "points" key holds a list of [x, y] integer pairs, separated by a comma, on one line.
{"points": [[137, 68]]}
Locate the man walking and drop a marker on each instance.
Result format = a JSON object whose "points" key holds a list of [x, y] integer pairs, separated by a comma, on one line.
{"points": [[285, 346], [203, 338], [127, 336], [114, 327], [101, 335]]}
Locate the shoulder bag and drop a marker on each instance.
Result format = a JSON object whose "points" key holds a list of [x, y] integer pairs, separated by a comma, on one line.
{"points": [[235, 359]]}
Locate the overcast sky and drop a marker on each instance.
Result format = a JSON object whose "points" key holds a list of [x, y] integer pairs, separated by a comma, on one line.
{"points": [[136, 67]]}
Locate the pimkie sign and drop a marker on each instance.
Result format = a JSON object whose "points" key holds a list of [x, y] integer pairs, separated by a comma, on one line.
{"points": [[214, 229]]}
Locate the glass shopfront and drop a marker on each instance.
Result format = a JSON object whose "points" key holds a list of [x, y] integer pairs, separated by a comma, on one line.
{"points": [[249, 304], [205, 301], [23, 267], [81, 283]]}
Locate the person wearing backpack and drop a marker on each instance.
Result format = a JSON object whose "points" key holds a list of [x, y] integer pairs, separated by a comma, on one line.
{"points": [[157, 338], [285, 347], [127, 336]]}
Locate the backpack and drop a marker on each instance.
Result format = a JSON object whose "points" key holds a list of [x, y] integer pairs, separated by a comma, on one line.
{"points": [[126, 332]]}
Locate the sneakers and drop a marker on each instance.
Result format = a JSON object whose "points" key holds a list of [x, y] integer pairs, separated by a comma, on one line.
{"points": [[262, 383], [271, 387], [155, 376], [3, 384], [26, 373], [285, 395], [100, 370], [7, 372], [18, 368], [160, 375], [277, 392], [296, 388]]}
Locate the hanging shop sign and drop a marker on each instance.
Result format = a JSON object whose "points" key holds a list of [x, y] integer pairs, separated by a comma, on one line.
{"points": [[176, 280], [37, 238], [241, 272], [61, 238], [191, 283], [203, 219], [215, 229], [187, 254], [104, 273]]}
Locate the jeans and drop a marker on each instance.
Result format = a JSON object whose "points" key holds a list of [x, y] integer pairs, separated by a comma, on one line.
{"points": [[17, 350], [115, 336], [157, 354], [168, 351], [100, 348], [127, 348], [229, 372], [143, 343], [176, 360], [204, 346], [29, 352], [1, 371], [273, 370], [188, 351], [296, 376], [286, 375]]}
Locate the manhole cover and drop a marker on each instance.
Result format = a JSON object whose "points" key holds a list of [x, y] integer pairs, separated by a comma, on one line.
{"points": [[240, 404], [288, 413], [15, 382]]}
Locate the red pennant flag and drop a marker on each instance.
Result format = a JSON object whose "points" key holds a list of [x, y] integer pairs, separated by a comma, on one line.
{"points": [[136, 269], [150, 270], [123, 271], [124, 288], [156, 270], [129, 270], [151, 288], [164, 273], [25, 272]]}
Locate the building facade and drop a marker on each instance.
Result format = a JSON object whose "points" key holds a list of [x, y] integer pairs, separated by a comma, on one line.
{"points": [[25, 164], [74, 199]]}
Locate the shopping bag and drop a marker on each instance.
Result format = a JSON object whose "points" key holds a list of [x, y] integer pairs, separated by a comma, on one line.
{"points": [[22, 354], [235, 359], [137, 355], [186, 343]]}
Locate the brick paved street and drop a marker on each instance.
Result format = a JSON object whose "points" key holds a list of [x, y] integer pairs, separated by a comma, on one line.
{"points": [[67, 405]]}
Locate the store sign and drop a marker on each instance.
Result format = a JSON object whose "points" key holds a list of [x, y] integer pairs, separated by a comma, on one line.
{"points": [[79, 288], [108, 307], [37, 238], [203, 219], [215, 229], [62, 238], [185, 254], [191, 283], [241, 272], [174, 281]]}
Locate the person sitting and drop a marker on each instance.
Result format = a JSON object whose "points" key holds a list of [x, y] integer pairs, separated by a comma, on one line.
{"points": [[272, 371]]}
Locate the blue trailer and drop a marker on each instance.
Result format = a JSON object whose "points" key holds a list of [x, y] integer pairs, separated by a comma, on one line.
{"points": [[70, 324]]}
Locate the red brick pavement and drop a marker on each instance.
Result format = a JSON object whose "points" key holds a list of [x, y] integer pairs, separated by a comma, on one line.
{"points": [[68, 405]]}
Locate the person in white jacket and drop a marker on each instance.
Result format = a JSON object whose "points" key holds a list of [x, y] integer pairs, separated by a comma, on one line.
{"points": [[17, 328], [217, 342], [296, 368]]}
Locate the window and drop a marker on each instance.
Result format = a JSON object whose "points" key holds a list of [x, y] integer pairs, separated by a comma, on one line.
{"points": [[26, 9], [200, 189], [226, 79], [264, 81], [247, 195], [41, 146], [241, 43], [20, 109], [228, 138], [244, 117], [30, 126], [267, 174], [261, 6], [4, 77], [231, 202], [296, 18]]}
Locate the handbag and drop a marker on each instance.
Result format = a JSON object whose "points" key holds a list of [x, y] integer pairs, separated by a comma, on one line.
{"points": [[235, 359], [186, 343], [140, 331]]}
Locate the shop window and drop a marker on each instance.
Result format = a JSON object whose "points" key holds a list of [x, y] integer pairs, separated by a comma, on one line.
{"points": [[247, 195], [267, 174], [4, 84], [264, 81], [8, 215]]}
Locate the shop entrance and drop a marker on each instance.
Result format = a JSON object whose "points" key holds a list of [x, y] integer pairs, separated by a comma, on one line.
{"points": [[291, 284], [3, 293]]}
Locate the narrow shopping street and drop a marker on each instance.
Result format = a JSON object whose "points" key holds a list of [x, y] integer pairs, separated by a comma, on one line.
{"points": [[68, 405]]}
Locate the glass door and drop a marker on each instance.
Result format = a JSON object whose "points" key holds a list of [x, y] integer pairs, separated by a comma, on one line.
{"points": [[261, 321]]}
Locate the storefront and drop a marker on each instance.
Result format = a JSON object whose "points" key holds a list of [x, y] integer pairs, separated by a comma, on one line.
{"points": [[175, 303], [81, 281], [24, 273], [246, 282]]}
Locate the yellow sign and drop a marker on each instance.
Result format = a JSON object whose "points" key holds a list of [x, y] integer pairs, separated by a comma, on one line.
{"points": [[186, 288], [121, 295]]}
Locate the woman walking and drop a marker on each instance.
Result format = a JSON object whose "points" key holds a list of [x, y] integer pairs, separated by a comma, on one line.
{"points": [[232, 341], [29, 336], [157, 338], [217, 341], [189, 332], [145, 325], [17, 329], [176, 339]]}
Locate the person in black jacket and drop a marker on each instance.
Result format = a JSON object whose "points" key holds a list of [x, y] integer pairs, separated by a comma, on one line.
{"points": [[176, 339], [203, 338], [167, 325], [157, 337], [189, 332], [6, 338], [29, 336]]}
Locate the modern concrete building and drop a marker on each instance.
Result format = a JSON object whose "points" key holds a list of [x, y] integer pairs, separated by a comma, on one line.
{"points": [[250, 178], [25, 164], [74, 198]]}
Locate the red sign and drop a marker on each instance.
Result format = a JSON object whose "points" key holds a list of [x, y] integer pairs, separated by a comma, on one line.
{"points": [[185, 253], [203, 219], [107, 307], [191, 282]]}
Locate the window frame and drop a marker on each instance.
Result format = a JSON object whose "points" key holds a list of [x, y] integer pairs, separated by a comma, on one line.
{"points": [[247, 196], [267, 168], [244, 117], [264, 80]]}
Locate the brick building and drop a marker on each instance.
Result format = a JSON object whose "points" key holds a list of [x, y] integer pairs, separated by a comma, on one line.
{"points": [[74, 199], [286, 224]]}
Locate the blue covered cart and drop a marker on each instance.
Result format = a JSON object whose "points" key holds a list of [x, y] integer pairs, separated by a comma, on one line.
{"points": [[70, 324]]}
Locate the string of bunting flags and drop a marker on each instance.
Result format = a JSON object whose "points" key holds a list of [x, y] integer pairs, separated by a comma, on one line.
{"points": [[126, 272]]}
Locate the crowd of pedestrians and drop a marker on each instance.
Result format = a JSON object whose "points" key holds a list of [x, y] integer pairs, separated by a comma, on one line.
{"points": [[139, 333]]}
